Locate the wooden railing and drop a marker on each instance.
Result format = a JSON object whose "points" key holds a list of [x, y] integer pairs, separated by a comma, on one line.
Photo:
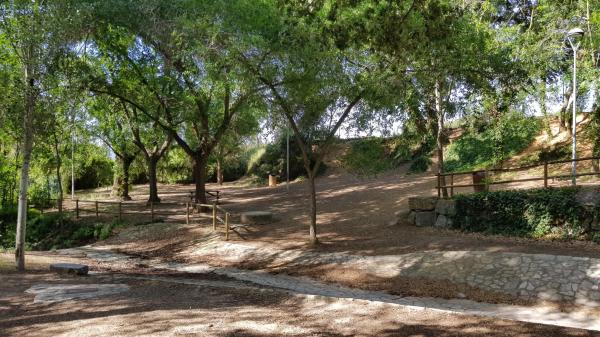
{"points": [[122, 208], [487, 180]]}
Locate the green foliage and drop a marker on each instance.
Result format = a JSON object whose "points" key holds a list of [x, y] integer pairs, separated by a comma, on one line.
{"points": [[528, 213], [420, 164], [367, 157], [175, 167], [51, 230], [271, 160], [500, 140]]}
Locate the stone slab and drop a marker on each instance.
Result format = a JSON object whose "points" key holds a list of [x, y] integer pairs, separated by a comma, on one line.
{"points": [[422, 204], [51, 293], [446, 207], [70, 268], [425, 219], [256, 217], [443, 221]]}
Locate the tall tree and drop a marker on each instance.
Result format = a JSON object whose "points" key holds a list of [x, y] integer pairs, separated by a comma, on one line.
{"points": [[195, 75], [34, 33]]}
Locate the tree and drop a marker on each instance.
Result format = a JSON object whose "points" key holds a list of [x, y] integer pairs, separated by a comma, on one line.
{"points": [[188, 62], [315, 84], [112, 129], [151, 142]]}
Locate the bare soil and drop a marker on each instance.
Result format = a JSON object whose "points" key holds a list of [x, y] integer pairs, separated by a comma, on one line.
{"points": [[159, 308]]}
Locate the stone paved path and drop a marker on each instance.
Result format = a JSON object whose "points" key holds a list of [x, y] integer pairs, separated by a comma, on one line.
{"points": [[529, 276], [306, 287]]}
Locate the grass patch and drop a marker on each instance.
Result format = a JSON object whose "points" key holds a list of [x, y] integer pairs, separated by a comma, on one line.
{"points": [[368, 157]]}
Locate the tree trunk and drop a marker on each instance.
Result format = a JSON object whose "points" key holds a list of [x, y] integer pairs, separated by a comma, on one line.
{"points": [[58, 175], [13, 183], [24, 183], [152, 162], [124, 188], [313, 210], [439, 139], [544, 108], [200, 178], [116, 180], [219, 172]]}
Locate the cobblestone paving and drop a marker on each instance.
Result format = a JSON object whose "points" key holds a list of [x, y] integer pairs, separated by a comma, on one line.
{"points": [[529, 276], [306, 287]]}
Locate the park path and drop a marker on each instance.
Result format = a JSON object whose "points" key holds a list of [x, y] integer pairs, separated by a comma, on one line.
{"points": [[527, 276], [300, 286]]}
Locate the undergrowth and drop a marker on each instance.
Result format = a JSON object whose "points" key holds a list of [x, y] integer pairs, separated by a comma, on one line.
{"points": [[51, 230], [537, 213], [492, 144]]}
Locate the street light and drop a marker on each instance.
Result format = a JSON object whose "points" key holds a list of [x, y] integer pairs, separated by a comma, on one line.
{"points": [[574, 37]]}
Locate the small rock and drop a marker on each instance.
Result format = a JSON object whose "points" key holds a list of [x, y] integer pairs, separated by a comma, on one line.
{"points": [[461, 295], [393, 222]]}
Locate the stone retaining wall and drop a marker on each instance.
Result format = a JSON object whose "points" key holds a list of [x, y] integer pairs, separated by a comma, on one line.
{"points": [[431, 212]]}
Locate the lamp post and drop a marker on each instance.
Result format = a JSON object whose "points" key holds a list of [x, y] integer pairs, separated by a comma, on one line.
{"points": [[574, 37]]}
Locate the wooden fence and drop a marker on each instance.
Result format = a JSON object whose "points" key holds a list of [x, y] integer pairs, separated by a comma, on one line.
{"points": [[153, 210], [486, 176]]}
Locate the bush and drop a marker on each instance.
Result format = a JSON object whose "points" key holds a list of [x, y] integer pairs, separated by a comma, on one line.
{"points": [[51, 230], [507, 136], [528, 213], [420, 164]]}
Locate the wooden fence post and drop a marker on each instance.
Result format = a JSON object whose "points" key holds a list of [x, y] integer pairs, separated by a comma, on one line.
{"points": [[60, 206], [76, 208], [214, 209], [187, 213], [96, 208], [545, 174], [451, 185], [120, 211], [226, 226], [151, 211], [439, 190], [486, 181]]}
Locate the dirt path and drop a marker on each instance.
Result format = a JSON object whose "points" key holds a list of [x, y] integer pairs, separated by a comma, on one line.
{"points": [[167, 307]]}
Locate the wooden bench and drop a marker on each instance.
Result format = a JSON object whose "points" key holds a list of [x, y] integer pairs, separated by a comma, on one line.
{"points": [[215, 194]]}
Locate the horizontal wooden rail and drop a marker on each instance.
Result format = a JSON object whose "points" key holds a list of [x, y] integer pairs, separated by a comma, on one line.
{"points": [[116, 208], [486, 181], [520, 168]]}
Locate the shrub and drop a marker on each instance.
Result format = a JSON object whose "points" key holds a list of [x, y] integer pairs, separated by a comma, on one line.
{"points": [[51, 230], [420, 164], [529, 213], [505, 137]]}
